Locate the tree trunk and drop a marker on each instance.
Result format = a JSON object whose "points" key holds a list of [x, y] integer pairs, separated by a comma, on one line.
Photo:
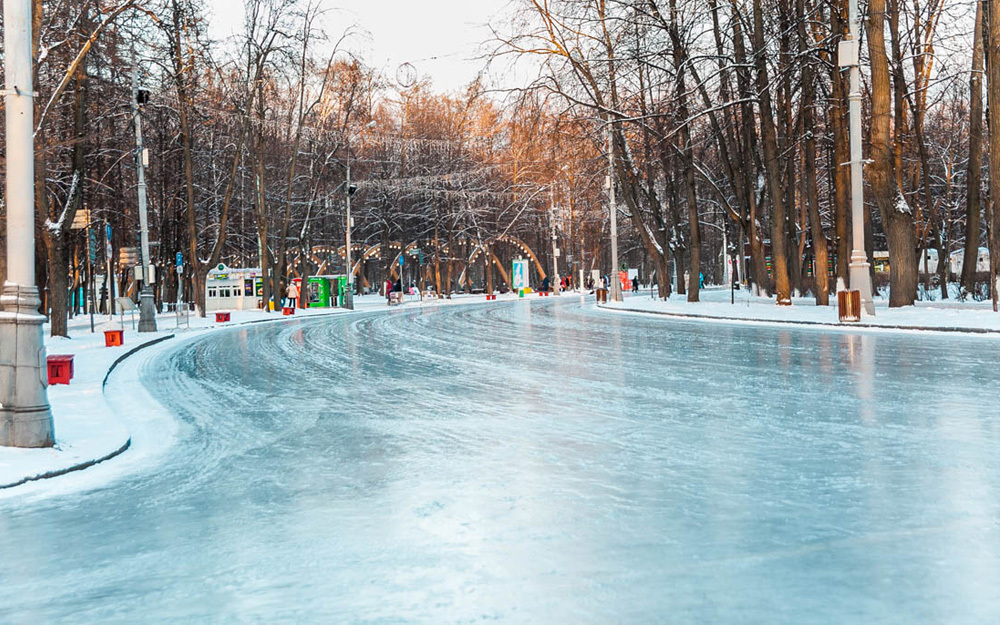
{"points": [[841, 151], [182, 108], [779, 259], [260, 200], [897, 218], [687, 158], [821, 279], [973, 201], [993, 101]]}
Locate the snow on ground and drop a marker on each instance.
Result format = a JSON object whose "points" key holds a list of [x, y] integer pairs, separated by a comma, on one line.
{"points": [[94, 423], [946, 315]]}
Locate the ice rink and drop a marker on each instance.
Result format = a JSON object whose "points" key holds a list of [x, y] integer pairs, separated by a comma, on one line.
{"points": [[539, 462]]}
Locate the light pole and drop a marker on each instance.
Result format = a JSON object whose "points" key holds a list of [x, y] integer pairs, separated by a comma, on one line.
{"points": [[850, 56], [147, 312], [349, 191], [616, 285], [25, 416], [555, 283]]}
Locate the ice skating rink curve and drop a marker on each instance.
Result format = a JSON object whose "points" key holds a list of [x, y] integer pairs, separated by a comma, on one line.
{"points": [[538, 462]]}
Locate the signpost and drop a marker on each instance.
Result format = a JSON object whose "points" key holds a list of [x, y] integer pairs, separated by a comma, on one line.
{"points": [[109, 281], [180, 291], [81, 221]]}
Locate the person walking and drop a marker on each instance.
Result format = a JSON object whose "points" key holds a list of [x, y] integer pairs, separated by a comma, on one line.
{"points": [[292, 293]]}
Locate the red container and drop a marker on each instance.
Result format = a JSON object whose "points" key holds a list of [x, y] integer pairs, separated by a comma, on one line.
{"points": [[60, 368], [287, 311], [114, 338], [221, 317]]}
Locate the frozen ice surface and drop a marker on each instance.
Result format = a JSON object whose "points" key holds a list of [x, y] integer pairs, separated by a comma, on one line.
{"points": [[539, 462]]}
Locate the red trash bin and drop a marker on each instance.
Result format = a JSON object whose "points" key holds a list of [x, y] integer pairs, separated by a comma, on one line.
{"points": [[60, 368]]}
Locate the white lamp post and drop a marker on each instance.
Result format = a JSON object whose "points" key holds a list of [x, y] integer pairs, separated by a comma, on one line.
{"points": [[555, 283], [616, 285], [25, 416], [850, 57]]}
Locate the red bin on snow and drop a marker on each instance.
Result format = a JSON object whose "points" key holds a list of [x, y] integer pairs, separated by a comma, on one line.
{"points": [[60, 368]]}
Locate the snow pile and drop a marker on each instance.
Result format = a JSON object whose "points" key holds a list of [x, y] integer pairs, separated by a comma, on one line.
{"points": [[716, 305]]}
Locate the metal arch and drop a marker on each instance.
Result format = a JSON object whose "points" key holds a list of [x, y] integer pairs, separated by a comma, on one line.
{"points": [[356, 247], [512, 240], [480, 248], [487, 248]]}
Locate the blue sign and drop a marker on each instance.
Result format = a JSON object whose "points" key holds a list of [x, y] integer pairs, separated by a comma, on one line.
{"points": [[400, 260], [180, 259], [519, 274]]}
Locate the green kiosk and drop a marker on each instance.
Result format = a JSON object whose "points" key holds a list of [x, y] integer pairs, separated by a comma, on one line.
{"points": [[326, 291]]}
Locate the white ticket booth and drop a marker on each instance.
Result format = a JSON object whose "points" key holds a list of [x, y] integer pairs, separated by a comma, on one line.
{"points": [[227, 288]]}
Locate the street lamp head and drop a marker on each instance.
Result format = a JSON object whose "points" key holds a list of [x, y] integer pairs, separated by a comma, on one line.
{"points": [[352, 189], [371, 124]]}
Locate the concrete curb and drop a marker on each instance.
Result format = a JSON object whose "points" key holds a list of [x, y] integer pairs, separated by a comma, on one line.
{"points": [[70, 469], [117, 452], [806, 323], [131, 352]]}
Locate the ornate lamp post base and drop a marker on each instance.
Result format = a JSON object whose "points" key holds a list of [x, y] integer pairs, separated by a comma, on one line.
{"points": [[861, 281], [147, 310], [25, 416]]}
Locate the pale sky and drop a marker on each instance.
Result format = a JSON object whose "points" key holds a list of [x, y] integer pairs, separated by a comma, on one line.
{"points": [[440, 38]]}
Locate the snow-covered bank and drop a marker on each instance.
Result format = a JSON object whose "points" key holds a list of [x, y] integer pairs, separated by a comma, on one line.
{"points": [[95, 422], [940, 316]]}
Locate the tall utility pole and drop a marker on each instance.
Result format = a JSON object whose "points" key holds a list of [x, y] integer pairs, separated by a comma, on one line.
{"points": [[147, 311], [348, 192], [850, 56], [554, 284], [25, 416], [616, 285]]}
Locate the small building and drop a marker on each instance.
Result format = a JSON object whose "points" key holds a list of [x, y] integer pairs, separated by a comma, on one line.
{"points": [[322, 291], [928, 261], [957, 260], [227, 288], [880, 261]]}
